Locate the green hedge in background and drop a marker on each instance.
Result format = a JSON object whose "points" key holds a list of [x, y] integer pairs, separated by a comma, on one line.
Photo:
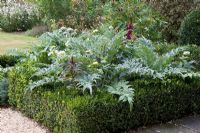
{"points": [[69, 111], [190, 28], [174, 12]]}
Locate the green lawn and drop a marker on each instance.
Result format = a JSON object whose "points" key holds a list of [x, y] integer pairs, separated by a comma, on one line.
{"points": [[14, 40]]}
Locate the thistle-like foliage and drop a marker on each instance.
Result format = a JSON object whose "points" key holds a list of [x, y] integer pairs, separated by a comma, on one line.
{"points": [[93, 60], [87, 81], [56, 38], [123, 90], [82, 56], [96, 46], [44, 81], [153, 59], [53, 69], [147, 63], [136, 67]]}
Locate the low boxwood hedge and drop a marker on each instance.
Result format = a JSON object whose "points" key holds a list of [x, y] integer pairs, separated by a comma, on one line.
{"points": [[7, 60], [69, 111], [3, 92]]}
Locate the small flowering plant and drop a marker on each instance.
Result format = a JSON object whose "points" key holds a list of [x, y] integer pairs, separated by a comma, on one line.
{"points": [[15, 16]]}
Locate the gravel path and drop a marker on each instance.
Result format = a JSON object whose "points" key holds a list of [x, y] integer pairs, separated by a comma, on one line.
{"points": [[14, 122]]}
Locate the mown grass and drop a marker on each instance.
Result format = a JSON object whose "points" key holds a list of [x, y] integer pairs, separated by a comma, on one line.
{"points": [[14, 40]]}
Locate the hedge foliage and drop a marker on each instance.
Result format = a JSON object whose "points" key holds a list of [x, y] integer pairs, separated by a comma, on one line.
{"points": [[5, 61], [174, 12], [190, 28], [69, 111], [8, 61], [3, 92], [74, 14], [195, 55]]}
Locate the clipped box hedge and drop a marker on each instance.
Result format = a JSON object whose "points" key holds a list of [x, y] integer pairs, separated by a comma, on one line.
{"points": [[5, 61], [8, 61], [3, 92], [69, 111]]}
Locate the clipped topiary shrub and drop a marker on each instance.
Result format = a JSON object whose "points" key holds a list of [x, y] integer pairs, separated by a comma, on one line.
{"points": [[190, 28]]}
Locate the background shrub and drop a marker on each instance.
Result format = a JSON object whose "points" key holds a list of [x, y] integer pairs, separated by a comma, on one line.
{"points": [[174, 12], [75, 14], [37, 30], [190, 28], [147, 21], [53, 9], [18, 16], [85, 14]]}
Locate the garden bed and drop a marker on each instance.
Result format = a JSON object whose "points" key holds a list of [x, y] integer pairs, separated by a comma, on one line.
{"points": [[109, 77], [77, 83], [64, 110]]}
